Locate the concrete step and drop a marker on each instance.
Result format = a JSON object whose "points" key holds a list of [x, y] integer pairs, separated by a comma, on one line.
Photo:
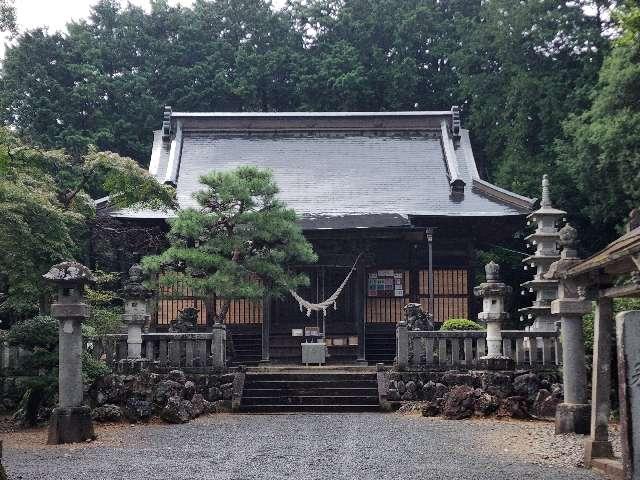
{"points": [[320, 376]]}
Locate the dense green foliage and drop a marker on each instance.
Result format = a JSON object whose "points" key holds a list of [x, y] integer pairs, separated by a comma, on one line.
{"points": [[39, 337], [602, 146], [47, 212], [241, 243], [521, 70], [460, 324]]}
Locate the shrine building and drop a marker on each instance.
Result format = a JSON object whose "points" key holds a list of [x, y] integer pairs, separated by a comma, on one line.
{"points": [[399, 190]]}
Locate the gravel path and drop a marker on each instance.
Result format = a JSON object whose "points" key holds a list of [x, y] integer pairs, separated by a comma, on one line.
{"points": [[327, 447]]}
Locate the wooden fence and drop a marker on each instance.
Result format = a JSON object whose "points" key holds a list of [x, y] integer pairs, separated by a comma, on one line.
{"points": [[463, 349]]}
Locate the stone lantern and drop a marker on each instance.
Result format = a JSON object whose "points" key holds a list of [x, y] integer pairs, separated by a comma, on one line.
{"points": [[573, 414], [493, 293], [135, 314], [70, 421]]}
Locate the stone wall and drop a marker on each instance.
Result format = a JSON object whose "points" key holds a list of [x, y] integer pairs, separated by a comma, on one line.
{"points": [[174, 397], [457, 394]]}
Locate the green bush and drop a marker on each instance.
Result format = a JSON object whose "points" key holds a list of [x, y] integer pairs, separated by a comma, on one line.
{"points": [[461, 324], [92, 368]]}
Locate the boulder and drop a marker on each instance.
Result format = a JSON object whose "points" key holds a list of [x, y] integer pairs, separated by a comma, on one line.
{"points": [[459, 403], [485, 404], [176, 410], [514, 407], [227, 391], [401, 387], [441, 391], [107, 413], [214, 394], [189, 389], [165, 390], [408, 396], [198, 406], [177, 376], [454, 378], [393, 395], [526, 385], [545, 404], [497, 384], [430, 409], [429, 391], [108, 389], [137, 410], [411, 387]]}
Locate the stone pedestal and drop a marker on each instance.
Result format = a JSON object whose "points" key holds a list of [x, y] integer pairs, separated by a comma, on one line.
{"points": [[573, 418], [70, 421], [70, 425], [219, 346]]}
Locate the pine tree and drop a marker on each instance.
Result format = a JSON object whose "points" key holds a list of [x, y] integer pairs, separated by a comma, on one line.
{"points": [[241, 243]]}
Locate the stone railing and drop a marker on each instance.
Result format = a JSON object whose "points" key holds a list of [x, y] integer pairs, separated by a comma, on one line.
{"points": [[164, 350], [447, 349], [12, 358]]}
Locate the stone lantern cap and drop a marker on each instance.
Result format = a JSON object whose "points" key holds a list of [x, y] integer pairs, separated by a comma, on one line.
{"points": [[493, 286], [69, 273]]}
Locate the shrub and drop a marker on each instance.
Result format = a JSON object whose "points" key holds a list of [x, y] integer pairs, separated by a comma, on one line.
{"points": [[461, 324], [92, 368]]}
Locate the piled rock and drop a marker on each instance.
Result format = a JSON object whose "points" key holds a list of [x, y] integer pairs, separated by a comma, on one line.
{"points": [[173, 397], [462, 394]]}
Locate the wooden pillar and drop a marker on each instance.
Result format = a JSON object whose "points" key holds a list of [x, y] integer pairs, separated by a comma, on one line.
{"points": [[266, 329], [429, 232], [598, 444], [360, 293]]}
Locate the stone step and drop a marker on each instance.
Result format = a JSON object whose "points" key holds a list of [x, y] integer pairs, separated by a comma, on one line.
{"points": [[251, 391], [309, 377], [306, 391], [304, 384], [308, 408], [311, 400]]}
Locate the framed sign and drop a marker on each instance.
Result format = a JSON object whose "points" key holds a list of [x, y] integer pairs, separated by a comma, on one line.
{"points": [[385, 283]]}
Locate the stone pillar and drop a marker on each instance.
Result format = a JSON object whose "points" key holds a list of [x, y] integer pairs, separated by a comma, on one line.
{"points": [[135, 311], [70, 421], [266, 330], [219, 346], [598, 445], [493, 293], [359, 312], [574, 413], [628, 340], [402, 345]]}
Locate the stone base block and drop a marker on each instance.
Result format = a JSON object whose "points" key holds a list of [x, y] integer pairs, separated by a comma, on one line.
{"points": [[596, 449], [496, 363], [134, 365], [70, 425], [573, 418]]}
